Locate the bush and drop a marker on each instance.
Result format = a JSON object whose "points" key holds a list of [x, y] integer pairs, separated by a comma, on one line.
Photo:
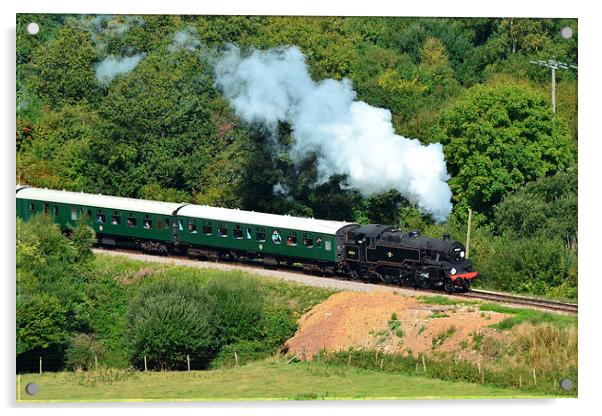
{"points": [[169, 320], [238, 307], [83, 352], [539, 266]]}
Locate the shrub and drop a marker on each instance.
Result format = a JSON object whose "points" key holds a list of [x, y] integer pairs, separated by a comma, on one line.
{"points": [[535, 265], [83, 351], [169, 320], [238, 305]]}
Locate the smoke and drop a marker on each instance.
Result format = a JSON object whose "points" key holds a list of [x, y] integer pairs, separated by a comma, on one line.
{"points": [[350, 137], [112, 66], [185, 40]]}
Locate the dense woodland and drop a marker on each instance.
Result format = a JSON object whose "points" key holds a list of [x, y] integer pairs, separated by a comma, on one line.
{"points": [[163, 130]]}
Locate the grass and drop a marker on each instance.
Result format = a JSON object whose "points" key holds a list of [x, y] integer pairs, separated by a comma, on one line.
{"points": [[532, 316], [265, 380], [444, 300]]}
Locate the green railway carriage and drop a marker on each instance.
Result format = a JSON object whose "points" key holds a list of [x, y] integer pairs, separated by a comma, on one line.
{"points": [[192, 229], [129, 221], [268, 236]]}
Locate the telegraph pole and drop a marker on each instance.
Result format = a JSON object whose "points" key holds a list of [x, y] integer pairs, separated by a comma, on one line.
{"points": [[553, 65]]}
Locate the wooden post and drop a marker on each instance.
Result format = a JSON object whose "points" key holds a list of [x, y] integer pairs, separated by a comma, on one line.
{"points": [[145, 368], [349, 360], [520, 381], [534, 377], [236, 358], [381, 363], [96, 362], [423, 363], [188, 361], [468, 233], [40, 365]]}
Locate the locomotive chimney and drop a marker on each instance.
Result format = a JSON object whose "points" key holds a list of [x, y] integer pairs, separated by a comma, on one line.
{"points": [[446, 237]]}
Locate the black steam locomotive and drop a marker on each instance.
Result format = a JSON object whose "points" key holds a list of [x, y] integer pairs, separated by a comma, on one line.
{"points": [[383, 253]]}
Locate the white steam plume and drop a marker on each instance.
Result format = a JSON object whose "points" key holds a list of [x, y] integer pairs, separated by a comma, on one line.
{"points": [[112, 66], [349, 136], [185, 39]]}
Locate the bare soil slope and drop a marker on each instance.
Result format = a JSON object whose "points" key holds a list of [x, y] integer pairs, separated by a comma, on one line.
{"points": [[390, 323]]}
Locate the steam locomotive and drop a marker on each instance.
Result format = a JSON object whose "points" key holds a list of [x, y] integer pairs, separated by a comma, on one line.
{"points": [[367, 252], [384, 253]]}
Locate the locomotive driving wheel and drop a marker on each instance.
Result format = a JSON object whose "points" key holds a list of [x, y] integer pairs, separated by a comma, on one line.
{"points": [[448, 285]]}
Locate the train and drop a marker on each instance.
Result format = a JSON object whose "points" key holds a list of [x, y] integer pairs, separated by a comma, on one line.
{"points": [[372, 252]]}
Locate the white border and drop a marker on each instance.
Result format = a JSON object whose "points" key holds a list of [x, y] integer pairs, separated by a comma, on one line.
{"points": [[589, 189]]}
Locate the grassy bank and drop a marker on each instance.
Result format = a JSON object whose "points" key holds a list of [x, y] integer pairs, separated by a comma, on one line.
{"points": [[265, 380]]}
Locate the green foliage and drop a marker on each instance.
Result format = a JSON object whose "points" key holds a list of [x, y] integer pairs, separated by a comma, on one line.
{"points": [[62, 71], [171, 319], [546, 207], [41, 323], [536, 265], [238, 308], [497, 138], [84, 352]]}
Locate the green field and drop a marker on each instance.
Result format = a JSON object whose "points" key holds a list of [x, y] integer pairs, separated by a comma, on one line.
{"points": [[266, 380]]}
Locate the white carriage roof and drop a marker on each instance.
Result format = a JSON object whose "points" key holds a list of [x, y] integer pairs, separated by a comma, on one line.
{"points": [[98, 200], [194, 211], [262, 219]]}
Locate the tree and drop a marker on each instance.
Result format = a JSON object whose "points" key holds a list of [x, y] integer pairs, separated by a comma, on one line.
{"points": [[497, 138], [546, 207], [63, 70], [169, 320]]}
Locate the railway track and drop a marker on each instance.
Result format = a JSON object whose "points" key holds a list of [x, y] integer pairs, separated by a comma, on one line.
{"points": [[489, 296], [550, 305]]}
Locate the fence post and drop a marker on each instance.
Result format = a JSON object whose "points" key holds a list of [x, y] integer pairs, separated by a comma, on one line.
{"points": [[145, 363], [349, 360], [381, 363], [188, 361], [423, 363], [520, 381], [40, 365], [96, 362], [534, 377], [236, 358]]}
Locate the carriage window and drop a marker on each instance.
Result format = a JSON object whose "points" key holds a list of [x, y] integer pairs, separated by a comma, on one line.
{"points": [[159, 224], [207, 228], [100, 218], [89, 212], [260, 234], [31, 207], [131, 222], [222, 230], [248, 233], [308, 242], [147, 224], [45, 208], [74, 214], [291, 240], [192, 226], [276, 239], [180, 225], [115, 220], [327, 246], [319, 242], [237, 232], [166, 223], [55, 209]]}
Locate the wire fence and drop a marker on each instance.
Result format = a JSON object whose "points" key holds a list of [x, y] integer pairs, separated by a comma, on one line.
{"points": [[54, 362]]}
